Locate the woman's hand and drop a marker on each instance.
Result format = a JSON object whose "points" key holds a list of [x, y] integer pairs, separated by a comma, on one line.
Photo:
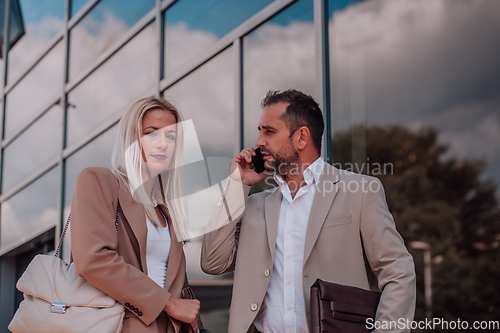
{"points": [[185, 310]]}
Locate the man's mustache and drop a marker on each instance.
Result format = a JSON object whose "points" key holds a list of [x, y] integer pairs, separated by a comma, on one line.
{"points": [[266, 151]]}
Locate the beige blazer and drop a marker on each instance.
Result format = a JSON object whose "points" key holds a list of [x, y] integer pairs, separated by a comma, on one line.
{"points": [[104, 253], [349, 211]]}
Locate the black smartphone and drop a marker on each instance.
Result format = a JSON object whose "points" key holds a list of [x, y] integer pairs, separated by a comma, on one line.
{"points": [[258, 161]]}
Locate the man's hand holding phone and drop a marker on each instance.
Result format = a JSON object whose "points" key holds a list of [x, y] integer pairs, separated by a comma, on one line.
{"points": [[242, 167]]}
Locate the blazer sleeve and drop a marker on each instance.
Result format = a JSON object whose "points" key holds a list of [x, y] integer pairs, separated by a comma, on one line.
{"points": [[94, 243], [220, 246], [388, 257]]}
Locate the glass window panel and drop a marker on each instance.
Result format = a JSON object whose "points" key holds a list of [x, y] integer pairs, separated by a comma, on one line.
{"points": [[96, 153], [101, 27], [416, 87], [191, 26], [215, 128], [127, 76], [1, 72], [215, 121], [30, 212], [407, 78], [278, 55], [42, 19], [40, 143], [16, 24], [34, 91], [76, 5]]}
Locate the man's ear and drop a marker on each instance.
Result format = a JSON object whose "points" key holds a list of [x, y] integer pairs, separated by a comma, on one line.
{"points": [[304, 136]]}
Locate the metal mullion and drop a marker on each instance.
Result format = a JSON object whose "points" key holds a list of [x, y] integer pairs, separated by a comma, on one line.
{"points": [[31, 178], [261, 17], [160, 42], [323, 71], [54, 41], [238, 94], [192, 65], [1, 152], [6, 30], [98, 130], [4, 80], [244, 28], [46, 107], [167, 3], [20, 243], [5, 46], [131, 33], [61, 165], [103, 126], [81, 13]]}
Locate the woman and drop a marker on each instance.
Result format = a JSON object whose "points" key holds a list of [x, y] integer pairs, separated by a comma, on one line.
{"points": [[123, 242]]}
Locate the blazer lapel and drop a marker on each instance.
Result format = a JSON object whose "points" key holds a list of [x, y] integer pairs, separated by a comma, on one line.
{"points": [[326, 191], [272, 213], [175, 256], [136, 218]]}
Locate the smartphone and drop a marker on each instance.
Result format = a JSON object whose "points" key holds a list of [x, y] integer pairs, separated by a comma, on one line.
{"points": [[258, 161]]}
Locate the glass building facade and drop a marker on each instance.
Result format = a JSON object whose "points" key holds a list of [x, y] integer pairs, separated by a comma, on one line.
{"points": [[410, 91]]}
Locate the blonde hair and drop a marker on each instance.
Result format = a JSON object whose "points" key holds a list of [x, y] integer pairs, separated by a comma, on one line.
{"points": [[127, 164]]}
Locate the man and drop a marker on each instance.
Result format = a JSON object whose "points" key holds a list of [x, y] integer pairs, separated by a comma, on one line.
{"points": [[316, 224]]}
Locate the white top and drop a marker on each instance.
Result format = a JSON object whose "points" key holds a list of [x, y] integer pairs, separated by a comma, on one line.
{"points": [[283, 309], [157, 252]]}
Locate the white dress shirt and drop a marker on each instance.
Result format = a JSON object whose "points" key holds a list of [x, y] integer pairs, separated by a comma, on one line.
{"points": [[283, 309]]}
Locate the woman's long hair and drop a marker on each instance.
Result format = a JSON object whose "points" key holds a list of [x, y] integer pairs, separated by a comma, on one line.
{"points": [[127, 163]]}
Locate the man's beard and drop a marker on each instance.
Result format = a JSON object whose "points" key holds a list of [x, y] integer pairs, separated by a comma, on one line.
{"points": [[283, 161]]}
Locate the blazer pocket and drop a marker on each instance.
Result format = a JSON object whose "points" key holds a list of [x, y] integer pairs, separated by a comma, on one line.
{"points": [[337, 220]]}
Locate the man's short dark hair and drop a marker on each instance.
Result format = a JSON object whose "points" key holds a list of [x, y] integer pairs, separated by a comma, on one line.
{"points": [[302, 110]]}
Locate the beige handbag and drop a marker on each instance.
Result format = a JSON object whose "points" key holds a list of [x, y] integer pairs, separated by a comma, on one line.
{"points": [[56, 299]]}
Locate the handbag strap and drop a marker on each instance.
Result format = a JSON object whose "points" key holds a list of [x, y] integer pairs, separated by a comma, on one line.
{"points": [[59, 245]]}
